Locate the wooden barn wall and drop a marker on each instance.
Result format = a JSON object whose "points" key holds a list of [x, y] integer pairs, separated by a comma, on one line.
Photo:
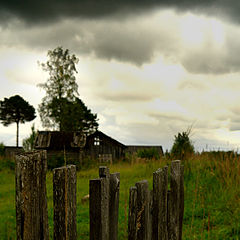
{"points": [[70, 155], [106, 147]]}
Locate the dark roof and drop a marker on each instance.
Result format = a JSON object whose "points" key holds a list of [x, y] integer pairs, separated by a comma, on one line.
{"points": [[99, 133], [59, 140]]}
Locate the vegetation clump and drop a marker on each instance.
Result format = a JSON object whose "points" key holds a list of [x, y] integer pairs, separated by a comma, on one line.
{"points": [[182, 147], [149, 154], [28, 143]]}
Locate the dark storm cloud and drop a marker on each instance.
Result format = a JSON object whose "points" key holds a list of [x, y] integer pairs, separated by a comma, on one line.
{"points": [[126, 40], [44, 11], [105, 39]]}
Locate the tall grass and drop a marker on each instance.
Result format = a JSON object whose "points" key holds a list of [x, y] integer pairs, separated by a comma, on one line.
{"points": [[212, 196]]}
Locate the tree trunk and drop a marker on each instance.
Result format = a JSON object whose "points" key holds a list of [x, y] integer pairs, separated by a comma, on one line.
{"points": [[17, 134]]}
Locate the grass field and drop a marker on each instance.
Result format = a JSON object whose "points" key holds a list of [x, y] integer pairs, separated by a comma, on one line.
{"points": [[212, 196]]}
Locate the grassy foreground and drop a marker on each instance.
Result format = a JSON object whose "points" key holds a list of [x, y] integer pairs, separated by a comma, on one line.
{"points": [[212, 196]]}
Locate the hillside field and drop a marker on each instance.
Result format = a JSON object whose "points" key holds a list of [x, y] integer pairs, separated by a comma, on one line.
{"points": [[212, 195]]}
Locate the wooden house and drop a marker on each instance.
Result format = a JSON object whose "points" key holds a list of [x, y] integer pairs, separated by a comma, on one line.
{"points": [[74, 145], [60, 144], [104, 148]]}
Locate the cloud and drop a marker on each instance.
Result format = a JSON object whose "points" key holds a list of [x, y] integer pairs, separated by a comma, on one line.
{"points": [[211, 48], [134, 40], [46, 11], [209, 58]]}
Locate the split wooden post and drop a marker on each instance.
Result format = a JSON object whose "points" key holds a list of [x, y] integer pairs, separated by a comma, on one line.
{"points": [[132, 214], [150, 226], [99, 206], [159, 218], [31, 198], [143, 198], [114, 184], [181, 202], [64, 202], [174, 201]]}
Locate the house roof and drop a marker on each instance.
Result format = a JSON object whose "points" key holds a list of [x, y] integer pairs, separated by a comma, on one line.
{"points": [[99, 133], [59, 140]]}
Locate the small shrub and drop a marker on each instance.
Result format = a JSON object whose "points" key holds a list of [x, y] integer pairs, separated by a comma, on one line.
{"points": [[2, 149], [182, 147], [150, 153]]}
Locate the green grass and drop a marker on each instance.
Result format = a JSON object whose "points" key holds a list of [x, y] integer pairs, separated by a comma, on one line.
{"points": [[212, 197]]}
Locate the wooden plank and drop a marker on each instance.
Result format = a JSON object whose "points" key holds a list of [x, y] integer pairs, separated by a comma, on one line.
{"points": [[160, 188], [150, 214], [174, 201], [64, 203], [95, 201], [181, 214], [31, 198], [114, 185], [105, 176], [143, 198], [98, 205], [132, 214]]}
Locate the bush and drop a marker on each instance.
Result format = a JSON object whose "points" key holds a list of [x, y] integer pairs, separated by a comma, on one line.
{"points": [[2, 149], [150, 153], [182, 147]]}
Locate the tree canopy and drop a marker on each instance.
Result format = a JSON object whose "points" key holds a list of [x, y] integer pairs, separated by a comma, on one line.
{"points": [[61, 108], [60, 86], [16, 110], [77, 117]]}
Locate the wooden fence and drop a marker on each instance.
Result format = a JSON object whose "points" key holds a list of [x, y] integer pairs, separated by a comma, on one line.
{"points": [[153, 215]]}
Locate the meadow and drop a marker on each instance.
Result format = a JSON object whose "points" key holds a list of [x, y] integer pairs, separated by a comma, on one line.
{"points": [[212, 195]]}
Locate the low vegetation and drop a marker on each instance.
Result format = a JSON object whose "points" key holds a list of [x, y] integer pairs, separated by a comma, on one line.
{"points": [[212, 195]]}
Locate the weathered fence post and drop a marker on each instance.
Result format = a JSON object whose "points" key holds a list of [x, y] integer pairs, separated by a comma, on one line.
{"points": [[174, 201], [132, 214], [181, 202], [160, 188], [143, 198], [114, 185], [99, 206], [104, 205], [64, 203], [31, 199]]}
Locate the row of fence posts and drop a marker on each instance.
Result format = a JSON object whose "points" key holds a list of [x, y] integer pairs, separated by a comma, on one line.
{"points": [[152, 215]]}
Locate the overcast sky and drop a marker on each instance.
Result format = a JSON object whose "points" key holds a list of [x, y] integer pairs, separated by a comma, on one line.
{"points": [[148, 68]]}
